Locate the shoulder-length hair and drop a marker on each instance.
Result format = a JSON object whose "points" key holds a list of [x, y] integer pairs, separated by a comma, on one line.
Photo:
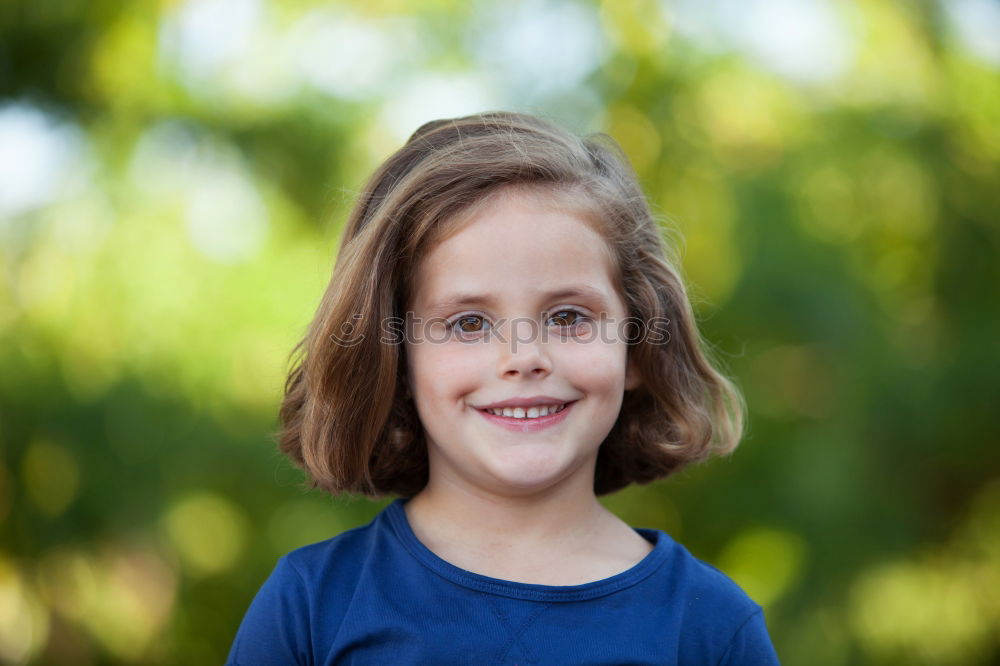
{"points": [[347, 417]]}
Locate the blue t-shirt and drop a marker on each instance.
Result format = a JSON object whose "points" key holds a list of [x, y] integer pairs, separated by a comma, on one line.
{"points": [[376, 595]]}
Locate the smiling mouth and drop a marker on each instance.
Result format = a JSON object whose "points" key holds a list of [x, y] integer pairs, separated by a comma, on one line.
{"points": [[527, 412], [531, 419]]}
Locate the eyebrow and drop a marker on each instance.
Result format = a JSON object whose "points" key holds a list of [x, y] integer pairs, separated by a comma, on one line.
{"points": [[468, 299]]}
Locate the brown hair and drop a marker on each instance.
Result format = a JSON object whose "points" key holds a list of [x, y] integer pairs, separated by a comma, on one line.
{"points": [[347, 417]]}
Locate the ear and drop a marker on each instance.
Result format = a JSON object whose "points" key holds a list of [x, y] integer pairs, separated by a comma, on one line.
{"points": [[633, 378]]}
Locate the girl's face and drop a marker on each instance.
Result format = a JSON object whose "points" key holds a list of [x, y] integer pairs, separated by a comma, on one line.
{"points": [[516, 362]]}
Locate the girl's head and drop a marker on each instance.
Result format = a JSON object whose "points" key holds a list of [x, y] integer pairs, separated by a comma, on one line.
{"points": [[623, 351]]}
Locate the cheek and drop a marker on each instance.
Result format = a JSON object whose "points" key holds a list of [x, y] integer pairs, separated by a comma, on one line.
{"points": [[596, 365], [442, 371]]}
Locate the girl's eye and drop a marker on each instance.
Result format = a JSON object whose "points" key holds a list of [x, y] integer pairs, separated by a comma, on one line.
{"points": [[470, 324], [566, 318]]}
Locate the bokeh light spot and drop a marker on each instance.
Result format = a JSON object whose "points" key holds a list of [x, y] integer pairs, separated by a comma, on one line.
{"points": [[349, 56], [977, 24], [636, 133], [749, 117], [226, 218], [431, 96], [24, 623], [122, 597], [208, 532], [701, 205], [515, 41], [41, 160], [766, 562], [51, 476], [638, 27], [924, 612]]}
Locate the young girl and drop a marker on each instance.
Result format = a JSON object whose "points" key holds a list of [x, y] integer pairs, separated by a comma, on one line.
{"points": [[503, 340]]}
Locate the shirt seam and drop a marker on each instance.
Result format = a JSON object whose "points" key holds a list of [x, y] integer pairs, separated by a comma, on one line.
{"points": [[516, 636], [309, 604], [729, 643]]}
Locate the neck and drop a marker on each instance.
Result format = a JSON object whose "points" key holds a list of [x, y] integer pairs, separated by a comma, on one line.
{"points": [[444, 510], [559, 537]]}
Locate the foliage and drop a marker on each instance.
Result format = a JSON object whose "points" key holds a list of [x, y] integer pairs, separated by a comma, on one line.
{"points": [[172, 179]]}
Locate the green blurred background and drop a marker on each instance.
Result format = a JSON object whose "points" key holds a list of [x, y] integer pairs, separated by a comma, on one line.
{"points": [[173, 178]]}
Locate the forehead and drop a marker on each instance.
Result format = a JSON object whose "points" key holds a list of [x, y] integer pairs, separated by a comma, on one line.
{"points": [[517, 241]]}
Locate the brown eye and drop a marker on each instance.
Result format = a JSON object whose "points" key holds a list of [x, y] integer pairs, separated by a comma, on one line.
{"points": [[566, 318], [470, 324]]}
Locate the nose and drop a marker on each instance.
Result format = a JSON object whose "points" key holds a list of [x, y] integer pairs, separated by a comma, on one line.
{"points": [[525, 354]]}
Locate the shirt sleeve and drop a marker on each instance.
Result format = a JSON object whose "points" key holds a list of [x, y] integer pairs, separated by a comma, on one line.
{"points": [[751, 645], [275, 629]]}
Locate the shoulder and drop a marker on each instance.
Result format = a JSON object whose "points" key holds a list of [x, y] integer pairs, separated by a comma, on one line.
{"points": [[297, 610], [699, 585], [340, 556], [716, 616]]}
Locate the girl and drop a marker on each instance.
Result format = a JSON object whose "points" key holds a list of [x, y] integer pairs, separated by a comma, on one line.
{"points": [[502, 340]]}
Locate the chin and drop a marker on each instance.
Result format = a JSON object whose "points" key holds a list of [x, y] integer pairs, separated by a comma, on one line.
{"points": [[525, 473]]}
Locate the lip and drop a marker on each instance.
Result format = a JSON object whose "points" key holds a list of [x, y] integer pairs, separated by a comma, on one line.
{"points": [[533, 401], [526, 424]]}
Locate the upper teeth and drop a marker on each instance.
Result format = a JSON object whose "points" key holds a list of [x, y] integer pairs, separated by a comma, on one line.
{"points": [[529, 413]]}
